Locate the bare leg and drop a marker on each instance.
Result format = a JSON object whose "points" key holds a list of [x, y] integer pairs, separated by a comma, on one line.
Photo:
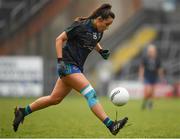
{"points": [[78, 81], [149, 89], [60, 90], [151, 93], [99, 111], [148, 93], [145, 100]]}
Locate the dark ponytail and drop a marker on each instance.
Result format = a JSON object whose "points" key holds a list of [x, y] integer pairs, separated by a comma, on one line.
{"points": [[104, 11]]}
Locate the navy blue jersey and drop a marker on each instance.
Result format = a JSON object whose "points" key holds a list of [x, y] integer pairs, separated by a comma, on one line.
{"points": [[151, 67], [82, 39]]}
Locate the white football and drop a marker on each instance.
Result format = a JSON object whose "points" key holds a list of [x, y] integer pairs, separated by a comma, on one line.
{"points": [[119, 96]]}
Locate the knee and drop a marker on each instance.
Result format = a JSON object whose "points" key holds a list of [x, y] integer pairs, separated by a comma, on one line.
{"points": [[90, 95], [54, 100], [148, 95]]}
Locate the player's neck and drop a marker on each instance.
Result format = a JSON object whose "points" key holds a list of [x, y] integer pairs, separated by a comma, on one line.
{"points": [[94, 23]]}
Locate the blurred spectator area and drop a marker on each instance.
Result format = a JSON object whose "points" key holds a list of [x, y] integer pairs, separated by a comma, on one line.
{"points": [[164, 20], [30, 27]]}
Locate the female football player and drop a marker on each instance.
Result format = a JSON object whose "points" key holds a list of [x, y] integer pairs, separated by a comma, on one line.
{"points": [[150, 71], [81, 38]]}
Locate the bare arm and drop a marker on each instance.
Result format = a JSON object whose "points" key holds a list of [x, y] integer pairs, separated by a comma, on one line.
{"points": [[98, 47], [141, 72], [161, 73], [59, 43]]}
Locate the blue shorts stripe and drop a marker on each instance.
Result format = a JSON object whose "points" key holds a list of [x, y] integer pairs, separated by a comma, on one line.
{"points": [[70, 69]]}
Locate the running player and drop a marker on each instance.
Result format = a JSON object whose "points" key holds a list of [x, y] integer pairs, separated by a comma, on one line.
{"points": [[81, 38], [150, 71]]}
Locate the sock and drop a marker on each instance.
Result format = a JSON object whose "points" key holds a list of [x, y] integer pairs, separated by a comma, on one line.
{"points": [[144, 104], [150, 104], [27, 110], [108, 122]]}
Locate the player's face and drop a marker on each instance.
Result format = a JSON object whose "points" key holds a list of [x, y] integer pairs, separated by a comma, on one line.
{"points": [[103, 24], [152, 53]]}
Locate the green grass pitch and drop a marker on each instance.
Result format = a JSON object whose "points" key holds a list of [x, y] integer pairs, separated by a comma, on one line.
{"points": [[72, 118]]}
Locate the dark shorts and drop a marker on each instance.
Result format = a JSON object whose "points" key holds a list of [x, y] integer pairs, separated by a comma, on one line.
{"points": [[150, 81], [70, 69]]}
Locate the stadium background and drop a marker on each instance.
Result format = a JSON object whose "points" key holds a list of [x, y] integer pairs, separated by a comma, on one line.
{"points": [[28, 29]]}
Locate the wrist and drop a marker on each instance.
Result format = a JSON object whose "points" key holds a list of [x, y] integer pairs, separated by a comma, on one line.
{"points": [[100, 51], [59, 60]]}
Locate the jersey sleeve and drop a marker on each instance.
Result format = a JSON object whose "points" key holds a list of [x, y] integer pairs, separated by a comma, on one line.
{"points": [[73, 30]]}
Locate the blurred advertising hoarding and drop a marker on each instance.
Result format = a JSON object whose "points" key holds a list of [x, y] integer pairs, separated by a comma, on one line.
{"points": [[21, 76], [136, 89]]}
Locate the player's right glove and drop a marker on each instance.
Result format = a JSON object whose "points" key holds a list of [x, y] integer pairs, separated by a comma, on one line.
{"points": [[61, 67], [104, 53]]}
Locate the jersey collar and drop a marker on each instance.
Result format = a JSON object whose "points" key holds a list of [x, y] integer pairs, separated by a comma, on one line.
{"points": [[90, 25]]}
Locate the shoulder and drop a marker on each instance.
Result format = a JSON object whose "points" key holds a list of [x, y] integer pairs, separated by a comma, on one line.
{"points": [[75, 24], [74, 29], [81, 24]]}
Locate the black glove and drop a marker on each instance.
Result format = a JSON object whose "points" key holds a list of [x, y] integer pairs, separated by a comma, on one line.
{"points": [[61, 67], [104, 53]]}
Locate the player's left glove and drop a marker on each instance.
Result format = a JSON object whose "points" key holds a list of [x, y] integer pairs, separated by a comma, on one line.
{"points": [[104, 53], [61, 67]]}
